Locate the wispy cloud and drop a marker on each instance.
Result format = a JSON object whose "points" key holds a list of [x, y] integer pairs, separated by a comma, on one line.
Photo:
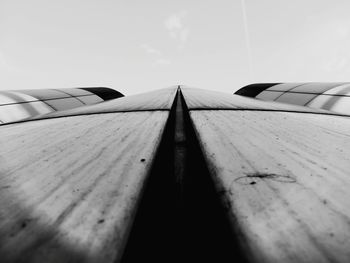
{"points": [[156, 54], [177, 29], [151, 50]]}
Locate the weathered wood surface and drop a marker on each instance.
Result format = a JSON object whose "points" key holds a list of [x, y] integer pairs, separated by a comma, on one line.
{"points": [[155, 100], [285, 179], [205, 99], [69, 186]]}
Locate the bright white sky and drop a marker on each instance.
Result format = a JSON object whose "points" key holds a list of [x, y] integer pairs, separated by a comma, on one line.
{"points": [[139, 45]]}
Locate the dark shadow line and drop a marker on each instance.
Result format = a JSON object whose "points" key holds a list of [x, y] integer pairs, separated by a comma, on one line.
{"points": [[148, 240], [214, 234], [180, 217]]}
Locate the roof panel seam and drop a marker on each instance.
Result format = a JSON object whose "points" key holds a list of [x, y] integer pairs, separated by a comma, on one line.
{"points": [[276, 110], [82, 114]]}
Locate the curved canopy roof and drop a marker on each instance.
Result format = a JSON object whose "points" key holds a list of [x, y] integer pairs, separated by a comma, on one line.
{"points": [[186, 172], [332, 96], [21, 104]]}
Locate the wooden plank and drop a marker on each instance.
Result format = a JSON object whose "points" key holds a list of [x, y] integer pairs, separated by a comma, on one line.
{"points": [[205, 99], [285, 180], [69, 187], [155, 100]]}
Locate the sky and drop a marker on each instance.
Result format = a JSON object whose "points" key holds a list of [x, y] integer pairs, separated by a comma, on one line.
{"points": [[135, 45]]}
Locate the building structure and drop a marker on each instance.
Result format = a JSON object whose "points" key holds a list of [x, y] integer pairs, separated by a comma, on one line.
{"points": [[329, 96], [21, 104], [177, 174]]}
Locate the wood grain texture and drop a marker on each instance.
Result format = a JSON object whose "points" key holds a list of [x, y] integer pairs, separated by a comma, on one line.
{"points": [[69, 187], [205, 99], [155, 100], [285, 180]]}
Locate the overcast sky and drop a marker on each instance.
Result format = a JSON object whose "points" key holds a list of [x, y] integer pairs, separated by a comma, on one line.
{"points": [[139, 45]]}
